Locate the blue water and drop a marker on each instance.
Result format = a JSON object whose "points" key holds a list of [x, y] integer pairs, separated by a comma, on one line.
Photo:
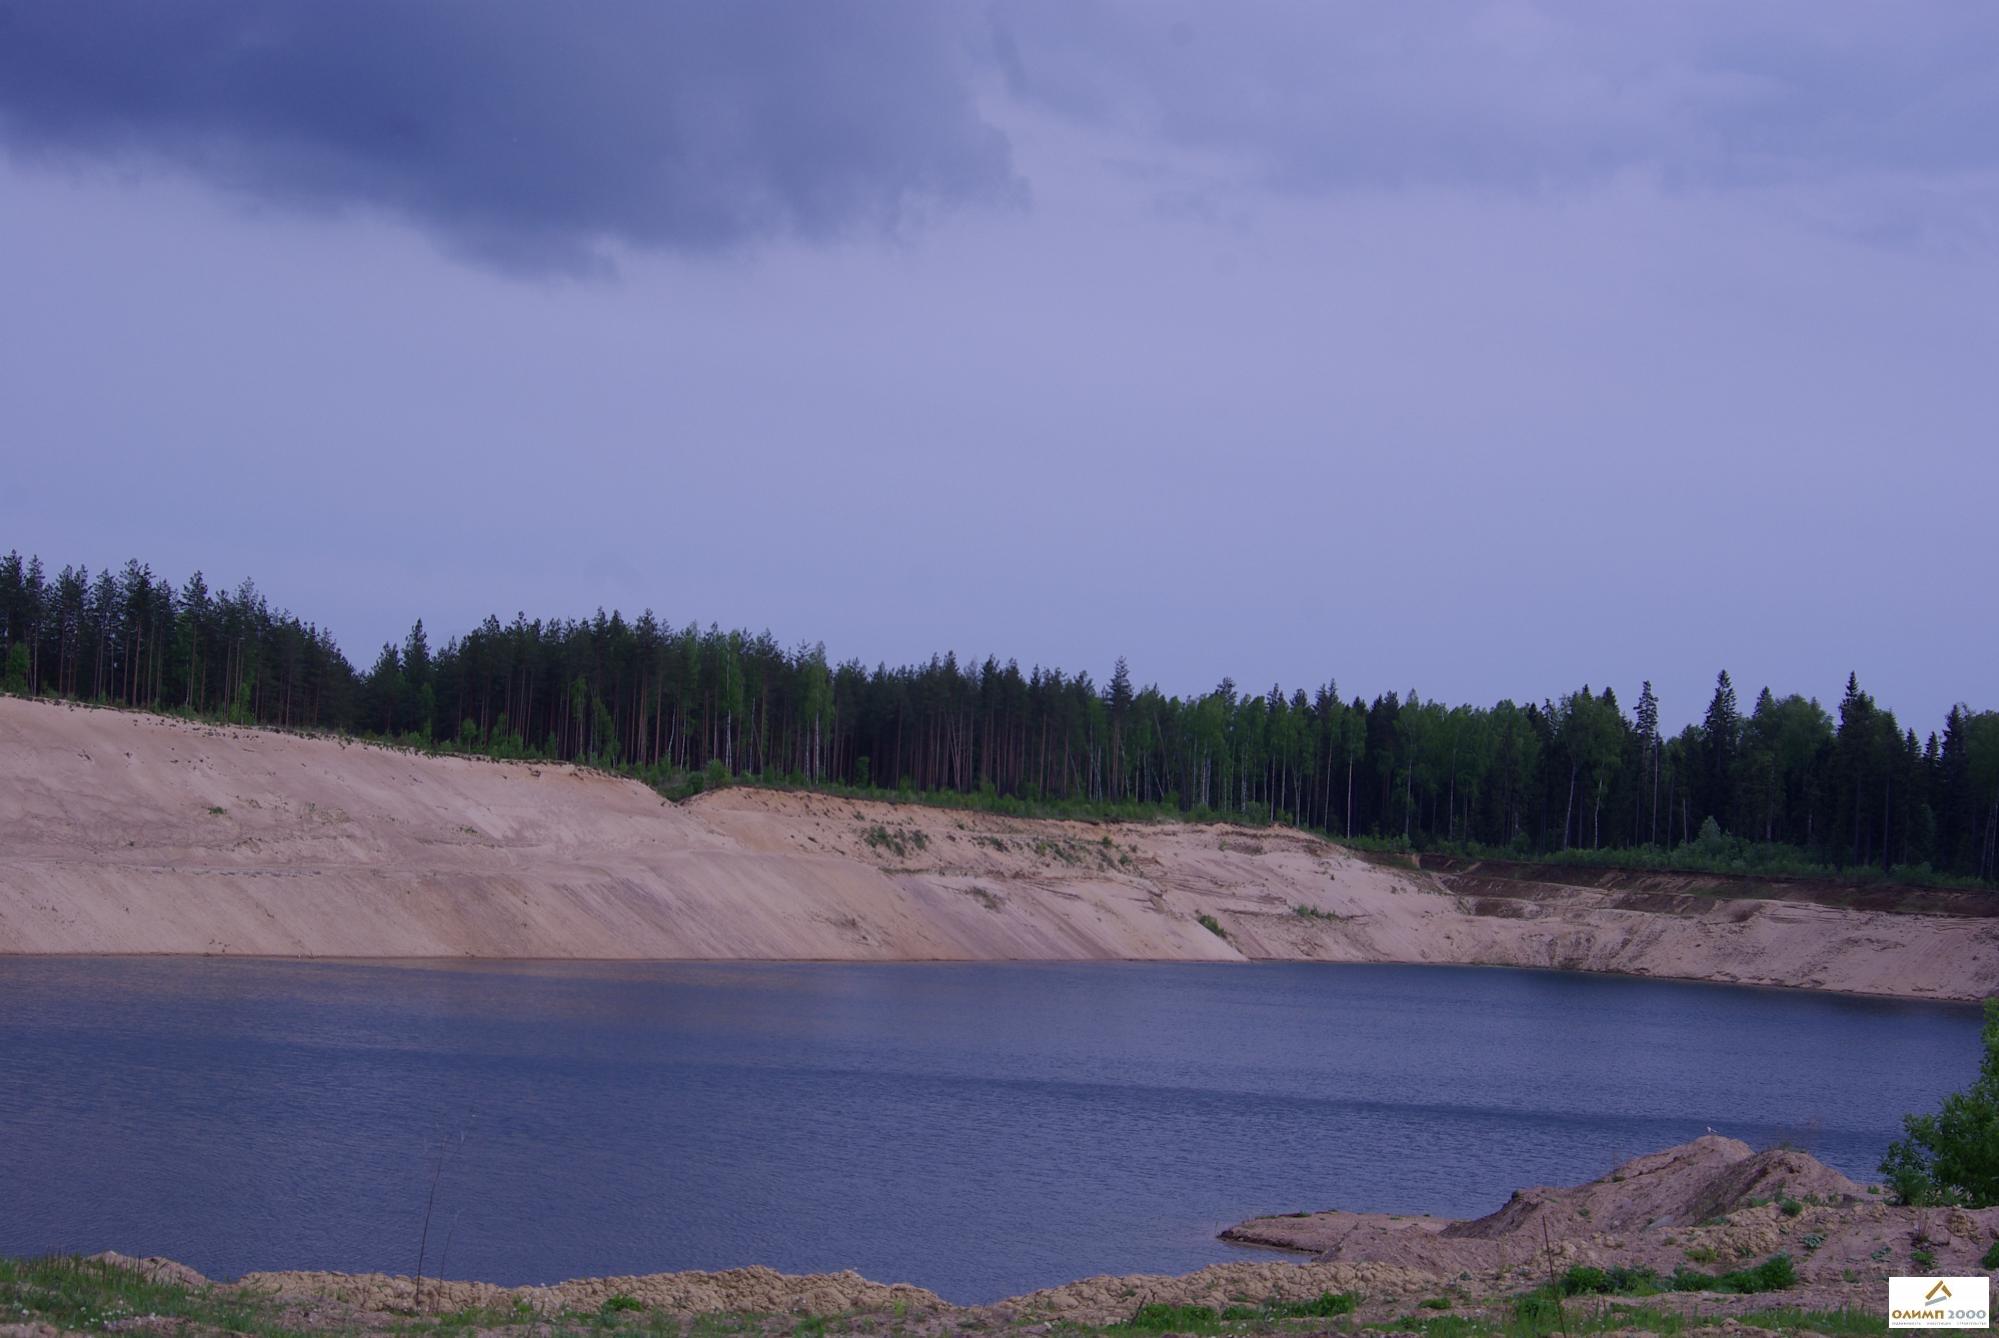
{"points": [[978, 1129]]}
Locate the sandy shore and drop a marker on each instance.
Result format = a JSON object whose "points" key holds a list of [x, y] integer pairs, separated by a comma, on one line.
{"points": [[129, 833]]}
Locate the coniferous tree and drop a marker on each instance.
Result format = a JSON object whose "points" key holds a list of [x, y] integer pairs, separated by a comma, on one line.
{"points": [[686, 706], [1720, 740]]}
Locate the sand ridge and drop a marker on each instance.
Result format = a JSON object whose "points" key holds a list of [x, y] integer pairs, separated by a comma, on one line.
{"points": [[130, 833]]}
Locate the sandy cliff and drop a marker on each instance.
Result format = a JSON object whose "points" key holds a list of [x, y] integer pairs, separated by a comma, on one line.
{"points": [[126, 833]]}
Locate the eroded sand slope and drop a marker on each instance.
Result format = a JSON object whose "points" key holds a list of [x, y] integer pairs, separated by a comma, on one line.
{"points": [[127, 833]]}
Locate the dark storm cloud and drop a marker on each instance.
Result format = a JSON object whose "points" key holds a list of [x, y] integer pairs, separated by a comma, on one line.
{"points": [[524, 133], [1512, 94], [535, 135]]}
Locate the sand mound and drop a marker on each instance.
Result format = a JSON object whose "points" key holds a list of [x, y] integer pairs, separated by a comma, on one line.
{"points": [[153, 1268], [1709, 1177], [1712, 1205]]}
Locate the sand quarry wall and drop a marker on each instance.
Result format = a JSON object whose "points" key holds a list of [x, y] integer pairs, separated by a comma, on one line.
{"points": [[131, 833]]}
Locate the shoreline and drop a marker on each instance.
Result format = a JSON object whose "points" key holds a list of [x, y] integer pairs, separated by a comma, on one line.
{"points": [[1969, 1003], [1706, 1232]]}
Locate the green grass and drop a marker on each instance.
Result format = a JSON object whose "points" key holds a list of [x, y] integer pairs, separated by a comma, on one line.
{"points": [[1540, 1320], [1774, 1274], [84, 1295], [1160, 1317], [1991, 1259]]}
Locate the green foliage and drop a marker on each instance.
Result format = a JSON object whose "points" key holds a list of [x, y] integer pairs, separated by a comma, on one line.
{"points": [[1991, 1259], [1773, 1274], [14, 679], [1160, 1317], [1212, 925], [879, 837], [1584, 1280], [1790, 1207], [1952, 1157], [79, 1295], [1325, 1305], [691, 709], [619, 1301]]}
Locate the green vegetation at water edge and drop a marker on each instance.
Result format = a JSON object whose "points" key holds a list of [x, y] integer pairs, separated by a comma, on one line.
{"points": [[84, 1295], [1952, 1157], [1785, 786]]}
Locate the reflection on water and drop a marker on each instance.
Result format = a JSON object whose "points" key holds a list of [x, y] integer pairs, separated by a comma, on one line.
{"points": [[978, 1129]]}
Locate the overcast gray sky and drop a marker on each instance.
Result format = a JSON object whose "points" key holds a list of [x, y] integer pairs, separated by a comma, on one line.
{"points": [[1485, 349]]}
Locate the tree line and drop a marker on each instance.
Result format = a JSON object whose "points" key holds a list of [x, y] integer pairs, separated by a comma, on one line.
{"points": [[1784, 782]]}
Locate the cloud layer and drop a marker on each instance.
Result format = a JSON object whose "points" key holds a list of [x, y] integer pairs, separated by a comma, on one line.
{"points": [[1522, 94], [524, 134]]}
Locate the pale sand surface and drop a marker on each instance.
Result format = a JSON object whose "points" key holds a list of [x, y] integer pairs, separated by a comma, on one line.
{"points": [[110, 843]]}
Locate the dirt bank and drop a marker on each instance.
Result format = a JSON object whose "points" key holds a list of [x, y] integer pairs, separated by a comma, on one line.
{"points": [[127, 833]]}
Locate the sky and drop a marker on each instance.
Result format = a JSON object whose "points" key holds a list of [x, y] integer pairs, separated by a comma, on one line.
{"points": [[1484, 349]]}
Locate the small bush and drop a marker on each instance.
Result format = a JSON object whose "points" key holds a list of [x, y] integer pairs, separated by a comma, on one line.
{"points": [[1923, 1258], [1991, 1259], [1323, 1306], [613, 1304], [879, 837], [1212, 925], [1790, 1207], [1583, 1280], [1159, 1317], [1772, 1275]]}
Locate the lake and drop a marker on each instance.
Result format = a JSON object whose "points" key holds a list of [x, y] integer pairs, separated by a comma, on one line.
{"points": [[981, 1130]]}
